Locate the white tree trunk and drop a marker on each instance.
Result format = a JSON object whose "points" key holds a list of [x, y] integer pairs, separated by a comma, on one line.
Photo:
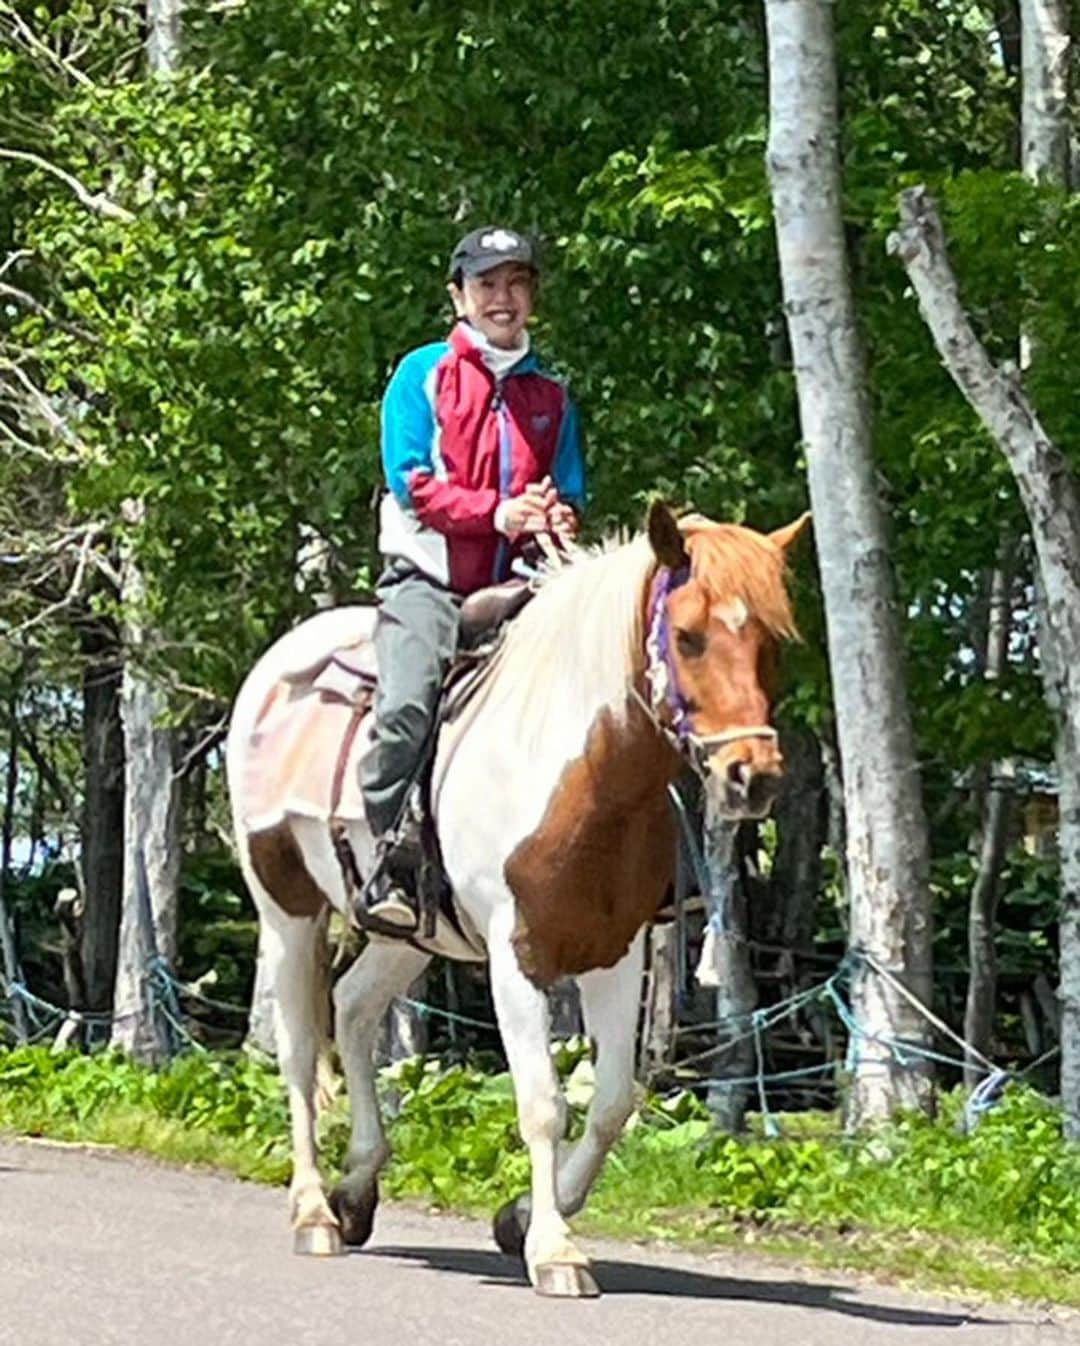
{"points": [[886, 829], [260, 1033], [1047, 148], [1045, 128], [163, 35], [148, 922], [1051, 498]]}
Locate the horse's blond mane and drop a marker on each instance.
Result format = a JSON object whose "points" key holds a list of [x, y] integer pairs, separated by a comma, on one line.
{"points": [[579, 641]]}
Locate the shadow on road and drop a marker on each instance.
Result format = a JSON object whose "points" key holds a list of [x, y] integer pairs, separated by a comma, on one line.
{"points": [[640, 1278]]}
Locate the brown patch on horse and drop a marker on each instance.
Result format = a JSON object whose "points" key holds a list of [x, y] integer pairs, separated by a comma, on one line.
{"points": [[279, 866], [599, 864]]}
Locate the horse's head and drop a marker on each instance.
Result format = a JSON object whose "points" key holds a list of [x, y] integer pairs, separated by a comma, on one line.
{"points": [[718, 611]]}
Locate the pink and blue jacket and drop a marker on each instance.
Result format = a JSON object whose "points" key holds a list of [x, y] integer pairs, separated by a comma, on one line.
{"points": [[455, 443]]}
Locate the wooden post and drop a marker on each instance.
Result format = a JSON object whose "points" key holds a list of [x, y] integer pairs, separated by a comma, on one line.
{"points": [[658, 1028]]}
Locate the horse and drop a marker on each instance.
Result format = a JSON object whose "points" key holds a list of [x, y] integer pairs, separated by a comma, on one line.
{"points": [[549, 794]]}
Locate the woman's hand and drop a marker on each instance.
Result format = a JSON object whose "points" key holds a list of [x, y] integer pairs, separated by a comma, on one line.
{"points": [[527, 512]]}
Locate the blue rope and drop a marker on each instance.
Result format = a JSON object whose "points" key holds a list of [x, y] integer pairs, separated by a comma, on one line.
{"points": [[983, 1097], [164, 992], [433, 1011]]}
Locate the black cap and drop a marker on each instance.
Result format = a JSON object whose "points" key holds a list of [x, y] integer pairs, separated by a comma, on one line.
{"points": [[491, 246]]}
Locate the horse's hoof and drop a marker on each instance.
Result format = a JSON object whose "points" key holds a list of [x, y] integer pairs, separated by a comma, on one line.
{"points": [[565, 1280], [355, 1213], [511, 1224], [317, 1240]]}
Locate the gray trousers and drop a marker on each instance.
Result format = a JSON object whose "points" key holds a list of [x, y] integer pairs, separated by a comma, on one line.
{"points": [[415, 638]]}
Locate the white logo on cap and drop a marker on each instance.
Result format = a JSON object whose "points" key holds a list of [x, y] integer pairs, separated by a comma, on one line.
{"points": [[500, 240]]}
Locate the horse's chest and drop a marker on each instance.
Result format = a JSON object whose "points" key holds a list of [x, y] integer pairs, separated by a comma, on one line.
{"points": [[598, 865]]}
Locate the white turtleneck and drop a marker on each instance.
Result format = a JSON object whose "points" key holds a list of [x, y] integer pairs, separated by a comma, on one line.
{"points": [[499, 359]]}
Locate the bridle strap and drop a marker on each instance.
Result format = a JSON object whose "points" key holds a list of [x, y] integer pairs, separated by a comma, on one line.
{"points": [[734, 735], [702, 742]]}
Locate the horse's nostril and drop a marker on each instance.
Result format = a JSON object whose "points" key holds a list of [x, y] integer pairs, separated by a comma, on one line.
{"points": [[763, 790], [738, 774]]}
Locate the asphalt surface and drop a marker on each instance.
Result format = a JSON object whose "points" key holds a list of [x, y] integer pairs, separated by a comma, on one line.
{"points": [[98, 1249]]}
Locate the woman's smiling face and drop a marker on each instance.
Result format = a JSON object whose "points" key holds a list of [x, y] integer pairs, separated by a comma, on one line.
{"points": [[498, 303]]}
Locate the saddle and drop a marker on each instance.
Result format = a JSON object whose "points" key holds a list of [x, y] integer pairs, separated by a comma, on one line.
{"points": [[309, 730]]}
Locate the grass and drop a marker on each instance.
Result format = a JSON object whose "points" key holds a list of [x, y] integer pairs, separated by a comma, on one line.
{"points": [[996, 1213]]}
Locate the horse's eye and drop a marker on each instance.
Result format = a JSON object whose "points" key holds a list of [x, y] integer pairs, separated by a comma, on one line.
{"points": [[690, 644]]}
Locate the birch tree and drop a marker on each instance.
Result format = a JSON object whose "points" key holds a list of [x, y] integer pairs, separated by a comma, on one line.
{"points": [[1045, 50], [886, 832], [148, 927], [1050, 494], [1046, 141], [1044, 154]]}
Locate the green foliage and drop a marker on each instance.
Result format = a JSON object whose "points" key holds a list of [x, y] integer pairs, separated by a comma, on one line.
{"points": [[106, 1098], [480, 1154], [217, 928], [294, 192]]}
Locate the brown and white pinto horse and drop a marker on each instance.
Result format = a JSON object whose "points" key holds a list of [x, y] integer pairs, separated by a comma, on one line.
{"points": [[549, 793]]}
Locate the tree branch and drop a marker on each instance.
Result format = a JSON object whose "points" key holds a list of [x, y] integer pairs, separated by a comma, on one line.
{"points": [[74, 590], [98, 202], [36, 306], [34, 44], [1044, 476], [56, 423]]}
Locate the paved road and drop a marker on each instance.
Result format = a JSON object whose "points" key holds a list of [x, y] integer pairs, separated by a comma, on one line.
{"points": [[98, 1249]]}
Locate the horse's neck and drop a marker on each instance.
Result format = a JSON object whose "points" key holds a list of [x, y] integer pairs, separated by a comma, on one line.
{"points": [[627, 761]]}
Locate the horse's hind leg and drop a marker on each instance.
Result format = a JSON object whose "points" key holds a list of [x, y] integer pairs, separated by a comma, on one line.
{"points": [[361, 998], [293, 948]]}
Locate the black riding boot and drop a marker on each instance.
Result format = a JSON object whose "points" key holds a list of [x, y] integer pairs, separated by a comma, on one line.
{"points": [[390, 901]]}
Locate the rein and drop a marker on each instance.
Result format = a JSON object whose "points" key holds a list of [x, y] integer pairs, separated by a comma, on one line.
{"points": [[665, 695]]}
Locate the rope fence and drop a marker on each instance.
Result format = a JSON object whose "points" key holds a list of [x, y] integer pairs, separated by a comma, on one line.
{"points": [[166, 994]]}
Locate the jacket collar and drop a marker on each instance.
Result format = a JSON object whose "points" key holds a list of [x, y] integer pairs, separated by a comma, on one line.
{"points": [[465, 347]]}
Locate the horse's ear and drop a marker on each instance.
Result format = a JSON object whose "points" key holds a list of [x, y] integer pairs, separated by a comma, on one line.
{"points": [[665, 538], [787, 536]]}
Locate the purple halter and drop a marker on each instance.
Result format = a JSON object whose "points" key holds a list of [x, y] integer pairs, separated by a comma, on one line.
{"points": [[661, 673]]}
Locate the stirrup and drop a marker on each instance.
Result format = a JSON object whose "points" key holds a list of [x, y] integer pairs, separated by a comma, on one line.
{"points": [[377, 913]]}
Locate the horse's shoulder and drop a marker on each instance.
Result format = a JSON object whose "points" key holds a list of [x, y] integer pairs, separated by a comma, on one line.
{"points": [[598, 864]]}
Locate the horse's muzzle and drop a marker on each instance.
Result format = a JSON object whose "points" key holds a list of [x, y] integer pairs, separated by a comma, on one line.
{"points": [[744, 788]]}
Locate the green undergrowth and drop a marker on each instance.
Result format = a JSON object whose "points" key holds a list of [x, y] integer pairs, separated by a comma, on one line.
{"points": [[996, 1212]]}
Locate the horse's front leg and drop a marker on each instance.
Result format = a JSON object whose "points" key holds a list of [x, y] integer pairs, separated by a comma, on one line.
{"points": [[554, 1264], [361, 998], [609, 1004]]}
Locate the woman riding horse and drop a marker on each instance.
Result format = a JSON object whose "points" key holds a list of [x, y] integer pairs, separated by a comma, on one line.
{"points": [[549, 795]]}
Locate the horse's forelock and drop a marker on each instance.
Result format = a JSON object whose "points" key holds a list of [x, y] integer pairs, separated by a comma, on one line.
{"points": [[731, 562]]}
